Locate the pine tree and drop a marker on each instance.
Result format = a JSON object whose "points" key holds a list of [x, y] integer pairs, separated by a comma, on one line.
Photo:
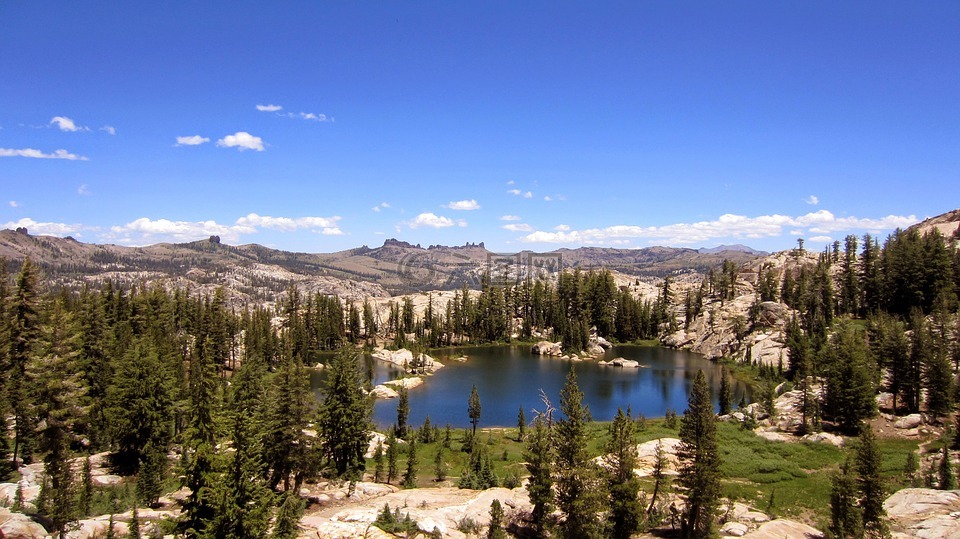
{"points": [[725, 397], [947, 480], [576, 481], [392, 450], [410, 477], [521, 425], [344, 421], [150, 477], [378, 462], [134, 526], [439, 466], [287, 525], [625, 509], [403, 411], [660, 478], [495, 530], [23, 327], [473, 408], [869, 481], [539, 459], [845, 518], [286, 449], [699, 456]]}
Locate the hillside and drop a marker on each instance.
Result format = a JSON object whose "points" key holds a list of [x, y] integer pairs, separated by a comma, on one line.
{"points": [[257, 273]]}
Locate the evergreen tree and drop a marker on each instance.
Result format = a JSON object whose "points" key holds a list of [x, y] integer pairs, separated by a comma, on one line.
{"points": [[946, 479], [845, 520], [150, 477], [403, 411], [473, 408], [344, 421], [850, 385], [287, 525], [23, 330], [869, 481], [410, 476], [140, 406], [495, 530], [699, 456], [392, 450], [576, 477], [521, 425], [378, 462], [725, 397], [439, 466], [625, 509], [286, 449], [134, 527], [660, 478], [539, 459]]}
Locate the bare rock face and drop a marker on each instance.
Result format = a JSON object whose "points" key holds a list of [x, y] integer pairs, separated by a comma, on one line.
{"points": [[924, 513], [19, 526], [908, 422], [547, 348], [784, 529], [440, 508]]}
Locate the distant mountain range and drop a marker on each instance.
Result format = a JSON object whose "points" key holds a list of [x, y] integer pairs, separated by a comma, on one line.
{"points": [[257, 273]]}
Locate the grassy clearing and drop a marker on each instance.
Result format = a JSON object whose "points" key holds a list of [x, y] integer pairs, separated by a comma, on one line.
{"points": [[785, 479]]}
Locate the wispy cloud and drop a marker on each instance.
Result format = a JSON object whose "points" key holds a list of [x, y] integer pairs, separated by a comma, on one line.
{"points": [[819, 223], [464, 205], [380, 206], [66, 124], [109, 129], [14, 204], [193, 140], [37, 154], [309, 116], [519, 193], [83, 190], [518, 227], [509, 217], [241, 140], [431, 220], [562, 228], [813, 200]]}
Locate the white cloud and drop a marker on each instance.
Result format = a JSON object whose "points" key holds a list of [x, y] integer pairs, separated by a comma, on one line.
{"points": [[431, 220], [145, 231], [44, 228], [269, 108], [510, 182], [519, 193], [241, 140], [37, 154], [312, 116], [725, 226], [548, 198], [509, 217], [252, 222], [110, 130], [66, 124], [380, 206], [821, 239], [83, 190], [518, 227], [813, 200], [562, 228], [465, 205], [193, 140], [14, 204]]}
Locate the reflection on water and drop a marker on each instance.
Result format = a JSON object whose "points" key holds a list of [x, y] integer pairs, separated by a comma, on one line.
{"points": [[510, 377]]}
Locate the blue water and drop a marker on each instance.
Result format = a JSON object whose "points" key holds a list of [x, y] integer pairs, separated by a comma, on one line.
{"points": [[510, 377]]}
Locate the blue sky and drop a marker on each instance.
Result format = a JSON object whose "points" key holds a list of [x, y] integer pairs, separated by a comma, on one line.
{"points": [[320, 126]]}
